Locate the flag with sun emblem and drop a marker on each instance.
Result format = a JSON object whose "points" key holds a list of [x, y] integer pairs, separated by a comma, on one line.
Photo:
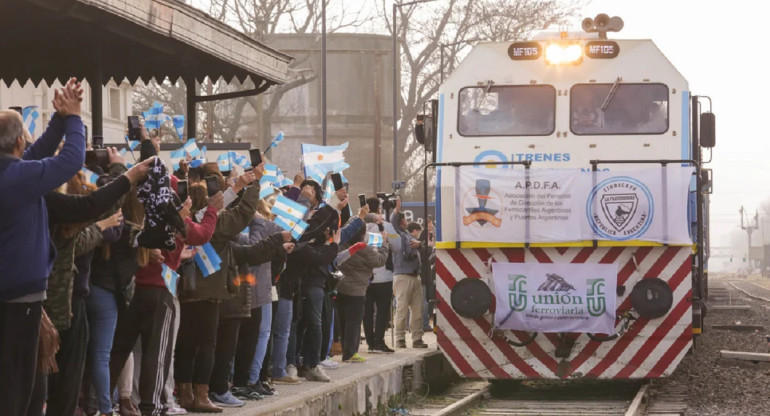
{"points": [[320, 160]]}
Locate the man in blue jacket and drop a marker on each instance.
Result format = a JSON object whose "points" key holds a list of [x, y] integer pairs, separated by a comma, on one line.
{"points": [[26, 251]]}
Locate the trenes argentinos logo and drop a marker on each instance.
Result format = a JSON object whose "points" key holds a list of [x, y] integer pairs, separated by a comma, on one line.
{"points": [[620, 208], [482, 213]]}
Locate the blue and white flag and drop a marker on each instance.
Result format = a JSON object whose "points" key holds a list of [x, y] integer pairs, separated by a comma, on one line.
{"points": [[191, 148], [171, 278], [154, 117], [196, 163], [30, 115], [319, 160], [176, 157], [298, 229], [271, 173], [133, 144], [328, 191], [277, 139], [374, 240], [282, 181], [179, 126], [207, 259], [266, 191], [240, 160], [289, 210], [223, 161], [91, 177], [123, 151], [203, 151]]}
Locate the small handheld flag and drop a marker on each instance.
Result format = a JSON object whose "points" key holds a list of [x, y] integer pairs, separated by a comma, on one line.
{"points": [[277, 139], [179, 126], [223, 161], [374, 240], [319, 160], [288, 210], [240, 160], [171, 278], [91, 177], [271, 173], [191, 148], [29, 115], [207, 259], [176, 157]]}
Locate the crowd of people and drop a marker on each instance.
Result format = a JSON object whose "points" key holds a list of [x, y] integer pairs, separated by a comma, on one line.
{"points": [[92, 323]]}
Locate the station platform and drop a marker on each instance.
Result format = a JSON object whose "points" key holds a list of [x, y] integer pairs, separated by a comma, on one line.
{"points": [[356, 388]]}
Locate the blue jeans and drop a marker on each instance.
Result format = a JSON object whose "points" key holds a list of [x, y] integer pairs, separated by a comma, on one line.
{"points": [[312, 304], [281, 328], [102, 311], [264, 336]]}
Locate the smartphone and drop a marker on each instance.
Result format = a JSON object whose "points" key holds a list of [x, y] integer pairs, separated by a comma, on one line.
{"points": [[212, 185], [337, 181], [361, 200], [97, 142], [98, 157], [181, 189], [134, 128], [256, 157]]}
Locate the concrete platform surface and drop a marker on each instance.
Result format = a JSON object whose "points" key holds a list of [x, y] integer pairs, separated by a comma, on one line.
{"points": [[355, 387]]}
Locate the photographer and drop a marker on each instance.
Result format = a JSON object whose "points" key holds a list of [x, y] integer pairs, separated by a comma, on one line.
{"points": [[406, 283]]}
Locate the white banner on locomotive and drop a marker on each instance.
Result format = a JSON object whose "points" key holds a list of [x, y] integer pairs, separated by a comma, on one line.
{"points": [[547, 206], [555, 297]]}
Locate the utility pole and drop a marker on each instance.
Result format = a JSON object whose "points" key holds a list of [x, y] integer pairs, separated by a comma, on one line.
{"points": [[749, 229]]}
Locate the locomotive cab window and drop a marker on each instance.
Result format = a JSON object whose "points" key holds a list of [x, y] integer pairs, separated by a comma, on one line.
{"points": [[628, 109], [510, 110]]}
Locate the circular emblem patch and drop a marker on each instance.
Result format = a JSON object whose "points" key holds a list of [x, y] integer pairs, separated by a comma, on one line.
{"points": [[620, 208]]}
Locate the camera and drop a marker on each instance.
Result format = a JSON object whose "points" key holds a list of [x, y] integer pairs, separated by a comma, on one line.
{"points": [[388, 200]]}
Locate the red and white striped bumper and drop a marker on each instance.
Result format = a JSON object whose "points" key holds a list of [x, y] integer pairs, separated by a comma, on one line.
{"points": [[650, 348]]}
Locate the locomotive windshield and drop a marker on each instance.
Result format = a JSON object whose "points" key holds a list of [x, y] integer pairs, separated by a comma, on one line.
{"points": [[630, 109], [512, 110]]}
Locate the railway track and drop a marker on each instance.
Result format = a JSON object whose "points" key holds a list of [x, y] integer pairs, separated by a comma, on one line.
{"points": [[547, 398], [750, 289]]}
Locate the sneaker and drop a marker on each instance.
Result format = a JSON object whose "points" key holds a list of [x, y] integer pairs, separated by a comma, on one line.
{"points": [[246, 393], [265, 385], [355, 359], [174, 409], [419, 344], [291, 371], [258, 388], [226, 400], [401, 344], [427, 329], [384, 348], [286, 380], [317, 374], [328, 364]]}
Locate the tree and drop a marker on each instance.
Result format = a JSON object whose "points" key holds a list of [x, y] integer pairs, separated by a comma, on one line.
{"points": [[456, 23]]}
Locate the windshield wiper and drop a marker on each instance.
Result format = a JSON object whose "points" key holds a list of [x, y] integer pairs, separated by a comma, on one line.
{"points": [[481, 99], [611, 94]]}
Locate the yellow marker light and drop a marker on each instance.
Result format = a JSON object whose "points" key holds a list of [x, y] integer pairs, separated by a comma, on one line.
{"points": [[560, 54]]}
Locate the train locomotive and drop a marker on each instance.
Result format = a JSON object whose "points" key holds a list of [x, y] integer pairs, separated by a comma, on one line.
{"points": [[571, 208]]}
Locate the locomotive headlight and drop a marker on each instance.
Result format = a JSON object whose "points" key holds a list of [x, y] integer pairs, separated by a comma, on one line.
{"points": [[559, 54]]}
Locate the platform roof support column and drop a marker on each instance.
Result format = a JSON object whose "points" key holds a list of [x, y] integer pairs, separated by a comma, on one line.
{"points": [[192, 113], [96, 102]]}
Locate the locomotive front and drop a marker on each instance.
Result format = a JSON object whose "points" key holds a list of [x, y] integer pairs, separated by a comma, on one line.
{"points": [[571, 236]]}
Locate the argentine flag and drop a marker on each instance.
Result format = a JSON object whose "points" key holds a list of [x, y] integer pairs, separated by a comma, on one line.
{"points": [[207, 259], [170, 277], [277, 139], [266, 190], [154, 117], [318, 160], [179, 126], [91, 177], [288, 210], [29, 115], [374, 240], [298, 229], [329, 191], [240, 160], [191, 148], [196, 163], [271, 173], [132, 144], [176, 156], [223, 161]]}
